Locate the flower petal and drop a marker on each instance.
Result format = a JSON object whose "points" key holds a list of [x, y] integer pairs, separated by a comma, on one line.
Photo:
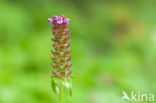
{"points": [[55, 17], [50, 20], [59, 20], [66, 21]]}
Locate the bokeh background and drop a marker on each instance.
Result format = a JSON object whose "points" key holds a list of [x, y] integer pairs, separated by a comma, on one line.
{"points": [[113, 46]]}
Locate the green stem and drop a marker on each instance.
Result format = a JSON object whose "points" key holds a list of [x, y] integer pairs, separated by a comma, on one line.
{"points": [[61, 94]]}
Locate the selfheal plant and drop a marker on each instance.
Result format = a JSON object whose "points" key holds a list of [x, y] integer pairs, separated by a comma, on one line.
{"points": [[61, 56]]}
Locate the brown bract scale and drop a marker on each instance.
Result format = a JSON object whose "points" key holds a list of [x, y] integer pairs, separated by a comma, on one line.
{"points": [[61, 53]]}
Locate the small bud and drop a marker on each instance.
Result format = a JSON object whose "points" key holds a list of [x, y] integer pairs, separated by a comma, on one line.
{"points": [[50, 20], [54, 17]]}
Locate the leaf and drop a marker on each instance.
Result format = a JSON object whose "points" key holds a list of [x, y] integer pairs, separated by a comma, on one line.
{"points": [[55, 85], [70, 92], [68, 87]]}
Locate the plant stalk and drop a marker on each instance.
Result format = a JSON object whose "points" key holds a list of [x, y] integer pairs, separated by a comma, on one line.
{"points": [[61, 94]]}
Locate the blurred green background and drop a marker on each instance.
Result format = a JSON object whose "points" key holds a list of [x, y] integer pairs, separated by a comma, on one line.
{"points": [[113, 45]]}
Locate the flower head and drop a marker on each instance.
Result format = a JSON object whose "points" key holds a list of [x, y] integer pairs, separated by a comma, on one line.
{"points": [[58, 20], [61, 44]]}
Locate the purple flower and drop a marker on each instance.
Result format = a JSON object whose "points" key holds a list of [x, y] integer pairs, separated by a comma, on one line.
{"points": [[59, 20], [61, 56], [55, 17], [66, 20], [50, 20]]}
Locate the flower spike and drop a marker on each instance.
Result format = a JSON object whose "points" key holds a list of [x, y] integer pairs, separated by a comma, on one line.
{"points": [[61, 55]]}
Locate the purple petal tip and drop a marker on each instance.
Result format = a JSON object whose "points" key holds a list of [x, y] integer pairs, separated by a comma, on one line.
{"points": [[66, 21], [49, 20], [54, 17]]}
